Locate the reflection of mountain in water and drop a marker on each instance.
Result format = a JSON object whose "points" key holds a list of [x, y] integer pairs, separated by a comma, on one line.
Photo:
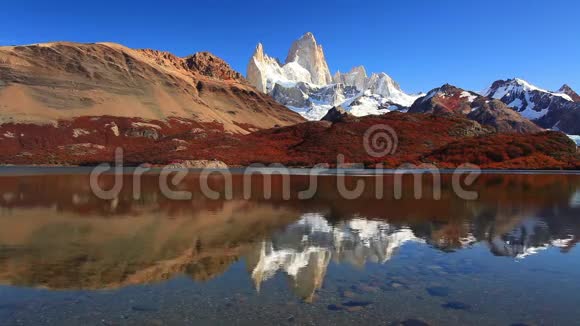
{"points": [[54, 234], [528, 238], [304, 249]]}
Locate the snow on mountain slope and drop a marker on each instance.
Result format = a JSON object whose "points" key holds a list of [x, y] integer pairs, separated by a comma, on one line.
{"points": [[449, 99], [554, 110], [575, 138], [369, 103], [303, 83], [531, 101]]}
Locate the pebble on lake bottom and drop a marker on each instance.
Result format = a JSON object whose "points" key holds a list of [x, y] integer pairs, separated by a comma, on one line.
{"points": [[333, 307], [356, 303], [348, 294], [414, 322], [438, 291], [143, 309], [456, 305], [350, 306]]}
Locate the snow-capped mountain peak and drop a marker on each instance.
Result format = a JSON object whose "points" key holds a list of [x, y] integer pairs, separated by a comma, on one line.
{"points": [[308, 54], [553, 110], [303, 83], [531, 101], [503, 88], [527, 86], [449, 99], [264, 72]]}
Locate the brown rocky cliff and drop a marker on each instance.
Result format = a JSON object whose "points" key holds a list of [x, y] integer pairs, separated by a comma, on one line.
{"points": [[209, 65], [570, 92], [51, 82]]}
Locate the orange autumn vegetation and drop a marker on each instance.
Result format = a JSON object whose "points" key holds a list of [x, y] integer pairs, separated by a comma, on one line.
{"points": [[422, 138]]}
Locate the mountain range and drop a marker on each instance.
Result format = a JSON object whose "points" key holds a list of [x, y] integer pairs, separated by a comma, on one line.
{"points": [[303, 83], [555, 110], [293, 85], [66, 103]]}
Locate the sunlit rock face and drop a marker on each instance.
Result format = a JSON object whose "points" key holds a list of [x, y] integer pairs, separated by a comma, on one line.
{"points": [[76, 87], [265, 72], [308, 54], [356, 77], [305, 63]]}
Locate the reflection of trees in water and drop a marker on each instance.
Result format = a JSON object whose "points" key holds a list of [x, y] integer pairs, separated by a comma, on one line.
{"points": [[59, 250]]}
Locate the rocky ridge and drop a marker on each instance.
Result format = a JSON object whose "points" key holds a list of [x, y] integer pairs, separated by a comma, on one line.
{"points": [[52, 82], [303, 83], [553, 110], [565, 89], [449, 100]]}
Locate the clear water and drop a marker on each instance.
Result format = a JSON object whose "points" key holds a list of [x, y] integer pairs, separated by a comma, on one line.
{"points": [[68, 258]]}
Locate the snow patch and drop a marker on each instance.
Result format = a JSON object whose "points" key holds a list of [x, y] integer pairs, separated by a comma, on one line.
{"points": [[516, 103], [575, 138], [470, 97]]}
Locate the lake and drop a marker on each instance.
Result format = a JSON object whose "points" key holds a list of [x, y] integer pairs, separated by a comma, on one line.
{"points": [[68, 257]]}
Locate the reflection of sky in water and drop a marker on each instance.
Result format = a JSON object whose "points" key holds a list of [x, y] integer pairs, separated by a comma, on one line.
{"points": [[575, 200]]}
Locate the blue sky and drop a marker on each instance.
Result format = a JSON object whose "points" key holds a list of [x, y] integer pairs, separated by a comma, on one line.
{"points": [[421, 44]]}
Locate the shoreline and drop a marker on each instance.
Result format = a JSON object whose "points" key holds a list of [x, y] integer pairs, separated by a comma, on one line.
{"points": [[17, 170]]}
